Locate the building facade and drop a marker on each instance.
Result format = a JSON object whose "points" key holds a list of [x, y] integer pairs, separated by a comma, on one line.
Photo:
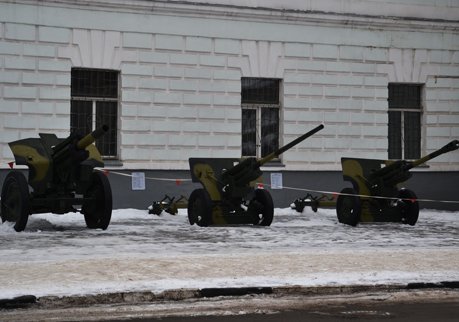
{"points": [[232, 78]]}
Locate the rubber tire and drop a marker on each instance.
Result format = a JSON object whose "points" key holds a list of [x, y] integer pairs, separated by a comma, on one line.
{"points": [[410, 211], [98, 215], [200, 208], [15, 196], [348, 208], [264, 198]]}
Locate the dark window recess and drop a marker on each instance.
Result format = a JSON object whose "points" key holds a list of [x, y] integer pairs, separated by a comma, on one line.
{"points": [[260, 116], [260, 91], [94, 103], [106, 113], [412, 132], [94, 83], [405, 96], [81, 116], [249, 134], [405, 121], [269, 130], [395, 134]]}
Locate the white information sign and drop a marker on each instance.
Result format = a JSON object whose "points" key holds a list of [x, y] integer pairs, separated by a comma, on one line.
{"points": [[276, 180], [138, 180]]}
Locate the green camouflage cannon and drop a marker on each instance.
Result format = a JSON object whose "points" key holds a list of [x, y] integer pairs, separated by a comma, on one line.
{"points": [[228, 195], [375, 196], [61, 177]]}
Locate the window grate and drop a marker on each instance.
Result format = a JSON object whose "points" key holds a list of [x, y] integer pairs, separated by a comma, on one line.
{"points": [[94, 83], [405, 96], [260, 91], [269, 130], [249, 135], [405, 107], [81, 116], [94, 103], [106, 113], [260, 116]]}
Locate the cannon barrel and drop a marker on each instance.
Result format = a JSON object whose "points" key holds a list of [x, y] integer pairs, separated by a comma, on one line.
{"points": [[451, 146], [398, 171], [403, 165], [91, 137], [249, 169], [63, 150], [392, 174], [278, 152]]}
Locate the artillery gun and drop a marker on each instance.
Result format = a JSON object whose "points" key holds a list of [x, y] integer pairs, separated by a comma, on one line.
{"points": [[61, 177], [375, 196], [228, 195]]}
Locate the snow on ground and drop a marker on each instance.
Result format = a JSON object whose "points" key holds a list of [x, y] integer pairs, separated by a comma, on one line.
{"points": [[58, 255]]}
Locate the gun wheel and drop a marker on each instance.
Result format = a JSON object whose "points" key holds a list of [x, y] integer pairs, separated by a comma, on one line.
{"points": [[348, 207], [200, 208], [97, 210], [15, 203], [409, 206], [262, 207]]}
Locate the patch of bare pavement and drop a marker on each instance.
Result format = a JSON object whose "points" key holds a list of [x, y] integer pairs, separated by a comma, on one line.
{"points": [[320, 301]]}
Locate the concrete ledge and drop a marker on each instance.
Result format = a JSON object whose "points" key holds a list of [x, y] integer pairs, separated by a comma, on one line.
{"points": [[185, 294], [234, 291], [418, 286], [18, 302]]}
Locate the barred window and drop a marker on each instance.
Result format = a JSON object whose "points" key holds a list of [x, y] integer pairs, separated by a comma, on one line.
{"points": [[405, 108], [94, 102], [260, 116], [260, 91]]}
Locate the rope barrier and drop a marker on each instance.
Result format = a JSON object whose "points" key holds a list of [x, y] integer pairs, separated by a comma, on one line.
{"points": [[149, 178], [370, 197], [324, 192]]}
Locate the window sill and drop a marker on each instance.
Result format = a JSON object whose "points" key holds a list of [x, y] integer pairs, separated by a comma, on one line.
{"points": [[274, 164], [112, 163], [422, 166]]}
